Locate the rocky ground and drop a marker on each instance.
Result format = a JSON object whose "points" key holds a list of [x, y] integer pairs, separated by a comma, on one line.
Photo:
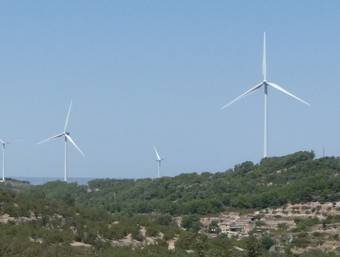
{"points": [[280, 224]]}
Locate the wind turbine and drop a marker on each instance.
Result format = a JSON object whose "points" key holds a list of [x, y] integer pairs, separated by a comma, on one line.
{"points": [[158, 160], [4, 143], [265, 83], [67, 137]]}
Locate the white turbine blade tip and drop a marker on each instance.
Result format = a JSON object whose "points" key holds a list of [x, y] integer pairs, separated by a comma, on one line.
{"points": [[50, 138], [67, 117], [71, 140], [287, 93], [245, 94], [264, 61], [158, 158]]}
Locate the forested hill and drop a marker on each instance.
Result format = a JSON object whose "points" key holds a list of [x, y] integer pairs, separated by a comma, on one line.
{"points": [[106, 218], [273, 182]]}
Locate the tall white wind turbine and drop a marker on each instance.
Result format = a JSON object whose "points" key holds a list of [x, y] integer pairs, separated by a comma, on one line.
{"points": [[158, 160], [265, 83], [4, 143], [67, 137]]}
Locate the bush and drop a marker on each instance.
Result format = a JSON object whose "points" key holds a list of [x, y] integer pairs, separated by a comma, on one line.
{"points": [[164, 220], [267, 242], [253, 246], [191, 222]]}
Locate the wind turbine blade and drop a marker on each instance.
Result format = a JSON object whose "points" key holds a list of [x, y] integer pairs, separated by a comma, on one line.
{"points": [[264, 63], [2, 142], [286, 92], [158, 158], [243, 95], [67, 117], [48, 139], [70, 139]]}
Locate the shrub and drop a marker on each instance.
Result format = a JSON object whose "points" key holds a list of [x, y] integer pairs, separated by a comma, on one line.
{"points": [[267, 242], [191, 222]]}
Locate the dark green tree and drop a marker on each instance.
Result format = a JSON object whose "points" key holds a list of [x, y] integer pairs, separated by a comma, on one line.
{"points": [[253, 247], [191, 222]]}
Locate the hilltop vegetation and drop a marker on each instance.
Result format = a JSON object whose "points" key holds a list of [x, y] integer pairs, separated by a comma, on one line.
{"points": [[273, 182], [147, 217]]}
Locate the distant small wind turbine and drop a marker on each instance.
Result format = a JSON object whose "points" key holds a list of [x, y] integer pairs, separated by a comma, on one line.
{"points": [[67, 137], [4, 143], [158, 160], [265, 83]]}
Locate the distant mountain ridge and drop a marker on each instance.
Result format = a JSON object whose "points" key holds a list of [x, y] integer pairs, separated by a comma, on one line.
{"points": [[42, 180]]}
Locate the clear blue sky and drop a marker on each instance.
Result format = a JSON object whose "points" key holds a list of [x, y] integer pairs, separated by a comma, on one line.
{"points": [[144, 73]]}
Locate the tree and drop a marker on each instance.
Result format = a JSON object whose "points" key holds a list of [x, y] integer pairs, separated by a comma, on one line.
{"points": [[267, 242], [253, 247], [213, 227], [191, 222]]}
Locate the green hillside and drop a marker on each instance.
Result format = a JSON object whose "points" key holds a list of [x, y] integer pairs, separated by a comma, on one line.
{"points": [[182, 215], [271, 183]]}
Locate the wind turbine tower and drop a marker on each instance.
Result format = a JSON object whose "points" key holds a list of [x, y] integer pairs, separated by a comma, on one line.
{"points": [[265, 83], [158, 160], [67, 138], [4, 143]]}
